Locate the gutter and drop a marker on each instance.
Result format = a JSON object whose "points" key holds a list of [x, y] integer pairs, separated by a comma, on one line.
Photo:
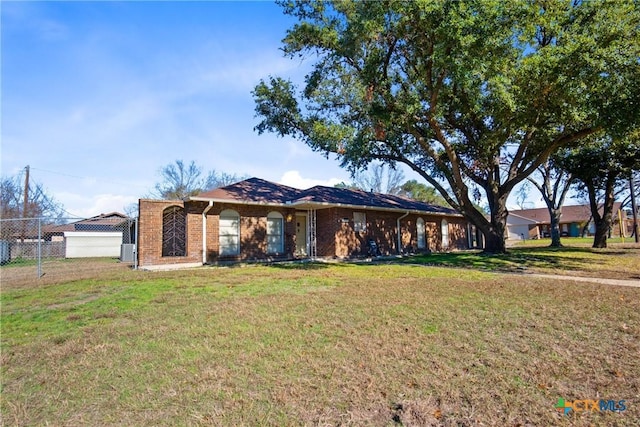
{"points": [[204, 231], [235, 202], [319, 205], [399, 234], [322, 205]]}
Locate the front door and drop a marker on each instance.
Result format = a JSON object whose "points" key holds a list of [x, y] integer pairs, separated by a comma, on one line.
{"points": [[301, 236]]}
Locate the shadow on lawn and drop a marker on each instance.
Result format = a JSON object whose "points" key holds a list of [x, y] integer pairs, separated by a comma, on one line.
{"points": [[301, 265], [514, 260], [573, 260]]}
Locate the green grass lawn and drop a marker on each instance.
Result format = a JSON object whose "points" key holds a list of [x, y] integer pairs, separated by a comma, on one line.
{"points": [[616, 262], [585, 242], [317, 344]]}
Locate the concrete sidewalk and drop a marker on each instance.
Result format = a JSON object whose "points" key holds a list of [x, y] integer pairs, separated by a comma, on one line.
{"points": [[612, 282]]}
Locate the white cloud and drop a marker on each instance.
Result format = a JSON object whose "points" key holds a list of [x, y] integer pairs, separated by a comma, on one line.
{"points": [[85, 207], [293, 178]]}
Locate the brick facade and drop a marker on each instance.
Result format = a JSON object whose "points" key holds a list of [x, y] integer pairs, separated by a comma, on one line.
{"points": [[150, 232], [253, 232], [335, 233]]}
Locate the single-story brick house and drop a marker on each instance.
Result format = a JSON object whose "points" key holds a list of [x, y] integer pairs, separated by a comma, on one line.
{"points": [[575, 221], [261, 220]]}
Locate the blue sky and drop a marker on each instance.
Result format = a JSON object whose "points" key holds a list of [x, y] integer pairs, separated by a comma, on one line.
{"points": [[98, 96]]}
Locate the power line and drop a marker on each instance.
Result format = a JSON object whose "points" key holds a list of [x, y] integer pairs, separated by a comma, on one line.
{"points": [[90, 178], [46, 198]]}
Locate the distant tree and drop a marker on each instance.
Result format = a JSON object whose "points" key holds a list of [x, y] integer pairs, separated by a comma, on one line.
{"points": [[522, 194], [221, 179], [378, 178], [465, 93], [131, 210], [624, 194], [349, 186], [553, 182], [39, 204], [630, 201], [599, 167], [418, 191], [181, 181]]}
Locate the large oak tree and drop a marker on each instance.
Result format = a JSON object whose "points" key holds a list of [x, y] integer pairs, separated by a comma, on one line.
{"points": [[472, 95]]}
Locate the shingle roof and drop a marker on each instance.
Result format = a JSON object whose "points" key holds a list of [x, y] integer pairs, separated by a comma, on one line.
{"points": [[345, 196], [102, 222], [260, 191], [255, 190], [572, 213]]}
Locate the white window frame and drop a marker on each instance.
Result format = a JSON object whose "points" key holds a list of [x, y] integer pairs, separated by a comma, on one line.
{"points": [[275, 241], [229, 233], [444, 226], [359, 222], [421, 232]]}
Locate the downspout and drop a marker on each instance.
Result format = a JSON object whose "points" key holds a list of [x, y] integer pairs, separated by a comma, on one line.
{"points": [[399, 234], [204, 231]]}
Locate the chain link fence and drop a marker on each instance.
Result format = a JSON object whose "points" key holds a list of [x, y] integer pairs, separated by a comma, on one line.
{"points": [[34, 248]]}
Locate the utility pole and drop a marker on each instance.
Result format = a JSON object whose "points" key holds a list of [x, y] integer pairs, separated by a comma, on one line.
{"points": [[26, 192], [634, 209], [25, 202]]}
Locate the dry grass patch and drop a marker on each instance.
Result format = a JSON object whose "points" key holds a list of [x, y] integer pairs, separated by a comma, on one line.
{"points": [[318, 345]]}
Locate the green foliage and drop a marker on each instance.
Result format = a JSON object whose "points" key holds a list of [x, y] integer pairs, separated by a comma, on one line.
{"points": [[600, 165], [419, 191], [466, 93]]}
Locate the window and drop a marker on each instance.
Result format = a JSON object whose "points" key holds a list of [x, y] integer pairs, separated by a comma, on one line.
{"points": [[359, 221], [275, 233], [445, 234], [422, 238], [174, 231], [229, 232]]}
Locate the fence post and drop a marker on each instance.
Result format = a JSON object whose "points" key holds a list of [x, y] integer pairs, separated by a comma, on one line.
{"points": [[39, 248], [135, 247]]}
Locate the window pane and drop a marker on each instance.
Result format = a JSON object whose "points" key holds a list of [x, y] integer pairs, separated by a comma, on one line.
{"points": [[422, 241], [274, 226], [274, 235], [445, 233], [229, 234], [359, 221]]}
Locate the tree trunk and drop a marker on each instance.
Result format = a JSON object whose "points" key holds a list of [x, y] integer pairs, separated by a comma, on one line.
{"points": [[494, 243], [555, 227], [603, 222], [600, 238], [492, 231], [494, 235]]}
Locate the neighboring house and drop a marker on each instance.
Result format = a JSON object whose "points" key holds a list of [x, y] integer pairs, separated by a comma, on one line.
{"points": [[575, 221], [261, 220], [99, 236]]}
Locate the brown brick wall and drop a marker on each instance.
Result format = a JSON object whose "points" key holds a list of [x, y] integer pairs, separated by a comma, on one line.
{"points": [[458, 233], [150, 233], [338, 238], [334, 237], [253, 232]]}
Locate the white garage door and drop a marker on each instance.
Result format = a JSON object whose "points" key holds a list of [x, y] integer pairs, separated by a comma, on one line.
{"points": [[87, 244]]}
